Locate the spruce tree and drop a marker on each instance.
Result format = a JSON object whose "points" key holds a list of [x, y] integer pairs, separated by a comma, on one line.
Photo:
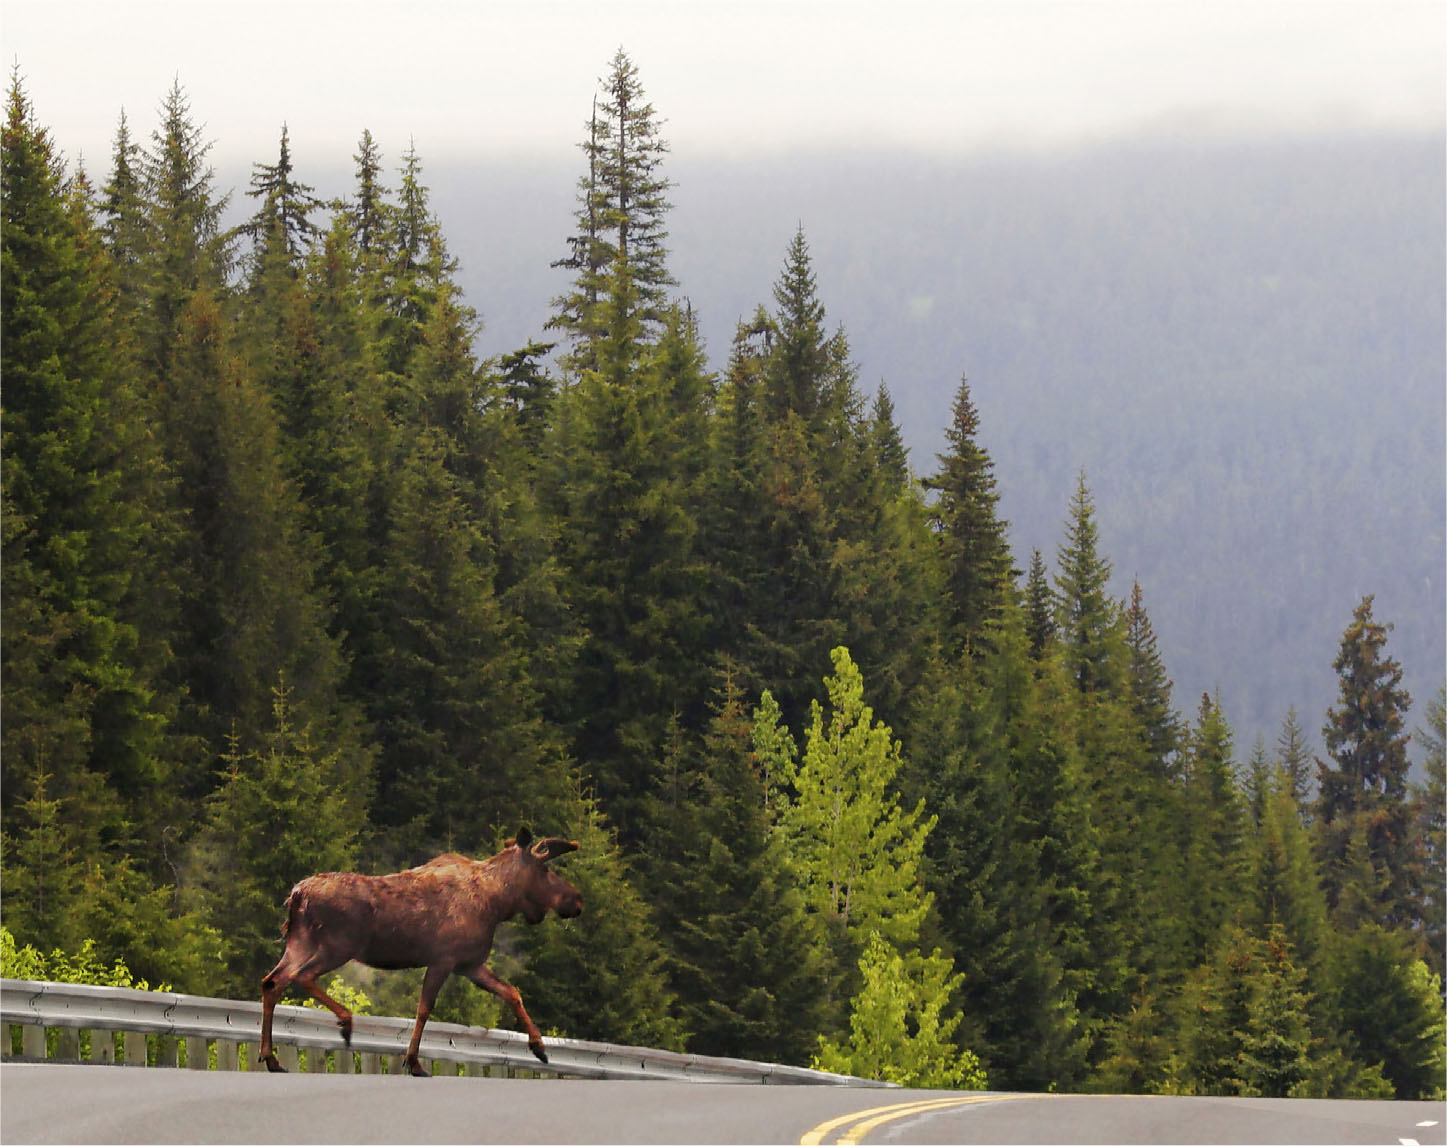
{"points": [[1363, 786], [1431, 831], [744, 956], [1295, 759], [620, 287], [1088, 618], [972, 537], [79, 702]]}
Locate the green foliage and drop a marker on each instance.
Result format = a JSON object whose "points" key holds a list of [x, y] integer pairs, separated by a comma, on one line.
{"points": [[280, 813], [897, 1029], [858, 851], [85, 965]]}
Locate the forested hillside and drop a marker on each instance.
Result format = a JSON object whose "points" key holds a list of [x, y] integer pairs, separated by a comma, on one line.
{"points": [[1191, 318], [294, 580]]}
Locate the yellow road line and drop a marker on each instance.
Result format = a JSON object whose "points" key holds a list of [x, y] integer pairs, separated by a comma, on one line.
{"points": [[868, 1120]]}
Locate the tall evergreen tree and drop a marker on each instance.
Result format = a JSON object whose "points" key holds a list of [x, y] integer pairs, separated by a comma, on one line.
{"points": [[972, 539], [1363, 788], [1295, 759], [1216, 830], [1088, 618], [1150, 686], [1431, 831], [78, 703], [618, 255], [1041, 607], [744, 956]]}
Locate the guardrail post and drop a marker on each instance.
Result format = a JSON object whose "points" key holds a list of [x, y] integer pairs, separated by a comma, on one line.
{"points": [[228, 1054], [197, 1057], [103, 1046], [371, 1064], [133, 1048], [286, 1055], [32, 1041], [68, 1049], [316, 1060], [344, 1063]]}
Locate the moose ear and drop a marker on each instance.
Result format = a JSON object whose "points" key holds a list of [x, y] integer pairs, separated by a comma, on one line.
{"points": [[552, 847], [524, 838]]}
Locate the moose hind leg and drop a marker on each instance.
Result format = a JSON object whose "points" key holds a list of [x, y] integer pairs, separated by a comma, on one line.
{"points": [[272, 989], [482, 975]]}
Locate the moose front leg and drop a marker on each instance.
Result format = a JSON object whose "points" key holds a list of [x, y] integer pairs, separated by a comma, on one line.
{"points": [[431, 984], [482, 975]]}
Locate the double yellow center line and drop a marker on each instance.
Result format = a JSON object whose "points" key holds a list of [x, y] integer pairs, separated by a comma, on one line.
{"points": [[866, 1120]]}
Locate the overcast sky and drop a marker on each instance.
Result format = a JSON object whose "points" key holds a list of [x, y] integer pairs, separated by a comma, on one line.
{"points": [[483, 77]]}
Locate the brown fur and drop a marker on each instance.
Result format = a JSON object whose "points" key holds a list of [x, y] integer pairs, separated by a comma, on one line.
{"points": [[441, 915]]}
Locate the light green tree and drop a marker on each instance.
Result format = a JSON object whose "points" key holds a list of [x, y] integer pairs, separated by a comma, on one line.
{"points": [[899, 1030], [859, 851]]}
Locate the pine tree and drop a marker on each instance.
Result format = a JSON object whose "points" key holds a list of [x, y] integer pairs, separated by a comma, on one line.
{"points": [[1431, 831], [603, 975], [744, 956], [1364, 787], [281, 228], [283, 810], [1282, 875], [187, 248], [1295, 759], [898, 1029], [78, 701], [621, 279], [366, 212], [1088, 619], [972, 537], [1041, 607], [1216, 830], [1150, 686]]}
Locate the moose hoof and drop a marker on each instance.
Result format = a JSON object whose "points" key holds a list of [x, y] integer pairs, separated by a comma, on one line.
{"points": [[346, 1025], [417, 1070], [272, 1065], [537, 1049]]}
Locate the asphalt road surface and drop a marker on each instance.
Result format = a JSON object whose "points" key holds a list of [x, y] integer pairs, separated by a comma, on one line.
{"points": [[55, 1103]]}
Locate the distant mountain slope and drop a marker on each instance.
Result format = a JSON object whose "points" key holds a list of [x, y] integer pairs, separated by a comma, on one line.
{"points": [[1240, 342]]}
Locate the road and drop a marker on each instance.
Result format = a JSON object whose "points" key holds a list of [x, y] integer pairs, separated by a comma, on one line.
{"points": [[56, 1103]]}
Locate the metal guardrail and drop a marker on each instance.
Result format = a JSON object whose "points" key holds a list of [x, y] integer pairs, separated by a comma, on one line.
{"points": [[72, 1006]]}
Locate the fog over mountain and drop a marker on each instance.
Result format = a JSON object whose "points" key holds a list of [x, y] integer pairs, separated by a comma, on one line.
{"points": [[1240, 342]]}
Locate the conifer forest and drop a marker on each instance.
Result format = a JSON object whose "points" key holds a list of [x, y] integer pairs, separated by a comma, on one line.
{"points": [[294, 582]]}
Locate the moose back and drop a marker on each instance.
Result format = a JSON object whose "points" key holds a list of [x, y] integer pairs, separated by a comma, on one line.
{"points": [[441, 916]]}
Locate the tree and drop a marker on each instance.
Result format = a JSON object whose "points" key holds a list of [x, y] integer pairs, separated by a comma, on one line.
{"points": [[1431, 832], [1389, 1004], [1041, 607], [1250, 1034], [971, 535], [604, 973], [1216, 830], [744, 956], [282, 226], [282, 811], [898, 1029], [1295, 759], [618, 255], [1364, 786], [859, 852], [78, 703], [1150, 686], [1088, 619], [187, 248]]}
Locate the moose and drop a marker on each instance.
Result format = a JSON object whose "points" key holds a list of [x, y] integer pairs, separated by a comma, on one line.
{"points": [[441, 915]]}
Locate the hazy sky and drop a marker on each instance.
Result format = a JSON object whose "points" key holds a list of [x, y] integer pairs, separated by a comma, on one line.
{"points": [[473, 75]]}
